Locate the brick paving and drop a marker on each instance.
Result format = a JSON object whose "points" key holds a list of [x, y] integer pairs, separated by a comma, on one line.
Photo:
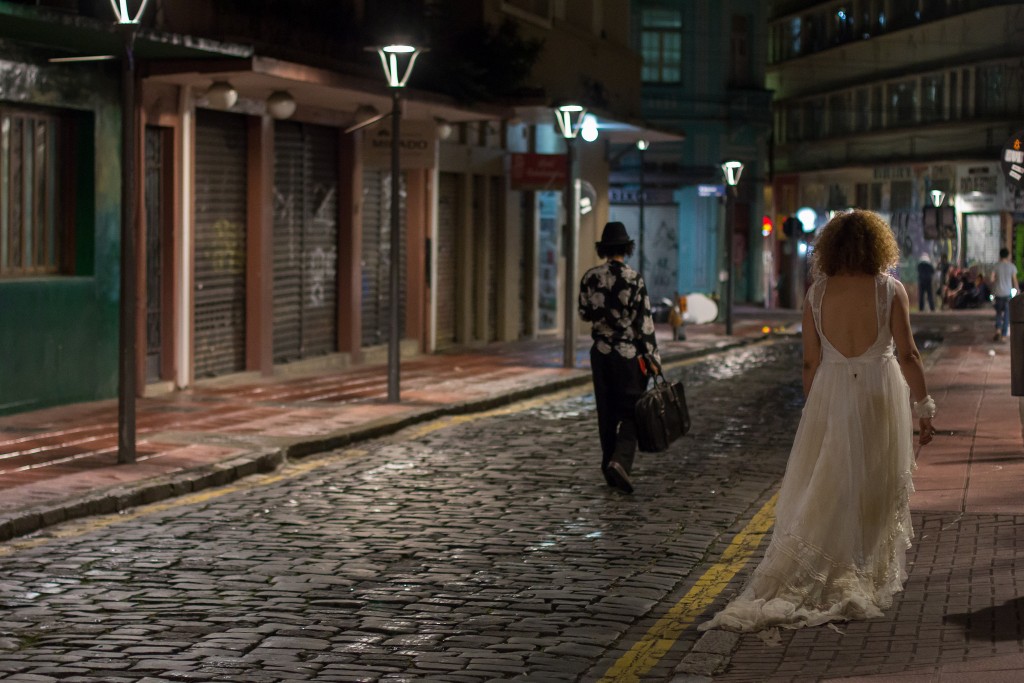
{"points": [[482, 551]]}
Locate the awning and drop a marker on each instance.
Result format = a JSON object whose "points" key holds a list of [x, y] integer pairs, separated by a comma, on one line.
{"points": [[331, 93], [614, 130]]}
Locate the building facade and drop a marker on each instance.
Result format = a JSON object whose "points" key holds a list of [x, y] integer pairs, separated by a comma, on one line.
{"points": [[878, 103], [263, 186], [703, 77]]}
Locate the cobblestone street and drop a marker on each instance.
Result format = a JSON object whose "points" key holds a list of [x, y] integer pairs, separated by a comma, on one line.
{"points": [[467, 549]]}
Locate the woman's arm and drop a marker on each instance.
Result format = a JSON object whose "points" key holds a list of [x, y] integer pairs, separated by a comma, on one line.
{"points": [[812, 347], [909, 357]]}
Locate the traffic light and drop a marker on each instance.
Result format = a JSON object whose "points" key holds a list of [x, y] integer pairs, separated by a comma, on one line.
{"points": [[766, 226]]}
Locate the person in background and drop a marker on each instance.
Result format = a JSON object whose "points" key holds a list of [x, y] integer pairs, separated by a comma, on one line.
{"points": [[1004, 281], [613, 298], [925, 286]]}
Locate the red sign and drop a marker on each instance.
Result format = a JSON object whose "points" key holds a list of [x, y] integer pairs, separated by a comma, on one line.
{"points": [[538, 171]]}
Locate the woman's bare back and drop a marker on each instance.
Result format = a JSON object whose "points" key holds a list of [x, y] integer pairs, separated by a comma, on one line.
{"points": [[849, 317]]}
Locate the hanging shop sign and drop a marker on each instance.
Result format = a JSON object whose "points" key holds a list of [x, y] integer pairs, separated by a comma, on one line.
{"points": [[538, 171], [1013, 159]]}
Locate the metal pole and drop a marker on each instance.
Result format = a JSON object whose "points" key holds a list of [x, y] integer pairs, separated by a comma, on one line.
{"points": [[129, 279], [572, 209], [641, 199], [728, 257], [394, 351]]}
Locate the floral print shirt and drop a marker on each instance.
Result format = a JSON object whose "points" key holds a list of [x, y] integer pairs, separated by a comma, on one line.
{"points": [[613, 297]]}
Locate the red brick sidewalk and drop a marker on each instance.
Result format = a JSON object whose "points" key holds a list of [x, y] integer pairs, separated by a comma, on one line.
{"points": [[961, 615], [61, 463]]}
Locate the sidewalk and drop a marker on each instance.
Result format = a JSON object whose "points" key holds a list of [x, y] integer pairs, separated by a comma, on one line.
{"points": [[61, 463], [961, 615]]}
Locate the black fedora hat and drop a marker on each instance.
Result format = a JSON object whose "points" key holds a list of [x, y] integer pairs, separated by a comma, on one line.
{"points": [[614, 235]]}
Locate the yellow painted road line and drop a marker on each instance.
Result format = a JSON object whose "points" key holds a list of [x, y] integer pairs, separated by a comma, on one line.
{"points": [[660, 638]]}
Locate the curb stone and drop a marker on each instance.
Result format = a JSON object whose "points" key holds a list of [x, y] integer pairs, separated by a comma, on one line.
{"points": [[122, 497]]}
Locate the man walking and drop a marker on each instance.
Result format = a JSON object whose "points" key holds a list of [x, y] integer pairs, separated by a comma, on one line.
{"points": [[613, 298], [1004, 281], [925, 283]]}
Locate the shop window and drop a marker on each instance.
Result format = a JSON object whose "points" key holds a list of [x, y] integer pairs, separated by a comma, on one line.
{"points": [[30, 213], [661, 45]]}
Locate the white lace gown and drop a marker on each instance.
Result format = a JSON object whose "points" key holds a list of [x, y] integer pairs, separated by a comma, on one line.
{"points": [[842, 526]]}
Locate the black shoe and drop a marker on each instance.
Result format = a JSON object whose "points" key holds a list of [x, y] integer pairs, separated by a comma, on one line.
{"points": [[618, 478]]}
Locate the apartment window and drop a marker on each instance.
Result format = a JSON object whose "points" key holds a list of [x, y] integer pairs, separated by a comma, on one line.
{"points": [[793, 123], [814, 118], [842, 24], [965, 95], [739, 51], [989, 91], [953, 108], [839, 114], [902, 102], [861, 110], [661, 45], [876, 108], [29, 210], [795, 37], [933, 94]]}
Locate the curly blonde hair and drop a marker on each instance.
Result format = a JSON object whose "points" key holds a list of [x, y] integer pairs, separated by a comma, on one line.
{"points": [[855, 242]]}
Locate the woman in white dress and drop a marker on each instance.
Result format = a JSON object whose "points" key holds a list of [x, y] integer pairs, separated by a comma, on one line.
{"points": [[842, 527]]}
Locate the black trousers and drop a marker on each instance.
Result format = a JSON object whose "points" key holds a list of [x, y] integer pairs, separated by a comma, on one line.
{"points": [[618, 383]]}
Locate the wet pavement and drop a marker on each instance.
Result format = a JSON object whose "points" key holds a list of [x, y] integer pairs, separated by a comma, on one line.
{"points": [[485, 546], [466, 549]]}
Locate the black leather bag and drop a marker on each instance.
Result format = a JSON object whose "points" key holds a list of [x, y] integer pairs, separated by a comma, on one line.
{"points": [[661, 415]]}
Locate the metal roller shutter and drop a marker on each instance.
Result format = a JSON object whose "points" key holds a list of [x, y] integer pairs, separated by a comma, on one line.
{"points": [[220, 245], [289, 210], [305, 241], [376, 264], [447, 259]]}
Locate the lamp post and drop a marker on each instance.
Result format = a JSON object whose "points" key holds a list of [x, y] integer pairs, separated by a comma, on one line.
{"points": [[570, 119], [127, 347], [641, 147], [732, 171], [397, 60]]}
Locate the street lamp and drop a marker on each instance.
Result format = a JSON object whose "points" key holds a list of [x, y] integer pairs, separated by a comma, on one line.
{"points": [[570, 119], [732, 171], [127, 348], [641, 147], [397, 60]]}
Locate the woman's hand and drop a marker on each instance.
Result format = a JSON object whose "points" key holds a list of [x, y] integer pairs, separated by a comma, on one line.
{"points": [[926, 431]]}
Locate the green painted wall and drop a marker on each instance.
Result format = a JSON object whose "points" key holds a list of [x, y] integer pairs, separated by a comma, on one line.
{"points": [[58, 335]]}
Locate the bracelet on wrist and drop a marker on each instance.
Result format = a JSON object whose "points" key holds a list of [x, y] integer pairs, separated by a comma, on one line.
{"points": [[925, 408]]}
